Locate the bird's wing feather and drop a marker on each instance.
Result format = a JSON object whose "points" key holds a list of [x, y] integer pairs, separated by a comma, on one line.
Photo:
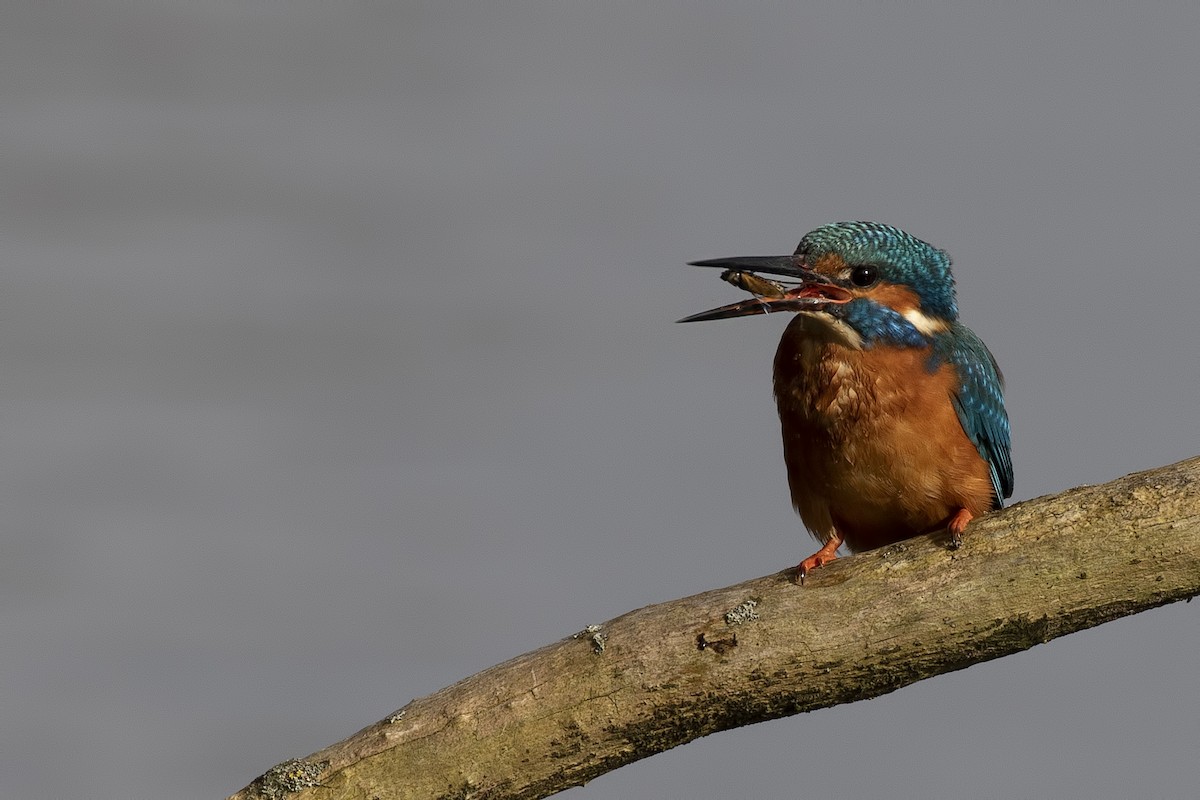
{"points": [[979, 403]]}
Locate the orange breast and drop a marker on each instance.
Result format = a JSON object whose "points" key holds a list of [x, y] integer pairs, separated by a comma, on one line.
{"points": [[874, 449]]}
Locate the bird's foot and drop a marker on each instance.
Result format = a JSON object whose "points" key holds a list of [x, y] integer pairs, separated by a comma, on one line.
{"points": [[827, 553], [956, 526]]}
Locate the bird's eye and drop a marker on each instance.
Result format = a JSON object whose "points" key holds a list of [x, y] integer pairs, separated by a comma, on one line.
{"points": [[863, 276]]}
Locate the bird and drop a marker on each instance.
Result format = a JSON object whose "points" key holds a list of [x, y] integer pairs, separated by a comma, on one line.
{"points": [[892, 411]]}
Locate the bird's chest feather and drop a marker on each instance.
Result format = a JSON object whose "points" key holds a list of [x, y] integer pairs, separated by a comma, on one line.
{"points": [[851, 396], [871, 438]]}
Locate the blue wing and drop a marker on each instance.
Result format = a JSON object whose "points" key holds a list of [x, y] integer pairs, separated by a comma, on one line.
{"points": [[979, 403]]}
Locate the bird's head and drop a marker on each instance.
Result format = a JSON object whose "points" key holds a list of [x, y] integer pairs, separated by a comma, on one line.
{"points": [[863, 281]]}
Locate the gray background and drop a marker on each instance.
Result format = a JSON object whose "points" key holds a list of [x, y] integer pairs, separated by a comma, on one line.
{"points": [[339, 360]]}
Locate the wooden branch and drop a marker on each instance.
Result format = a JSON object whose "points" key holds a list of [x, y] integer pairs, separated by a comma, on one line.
{"points": [[663, 675]]}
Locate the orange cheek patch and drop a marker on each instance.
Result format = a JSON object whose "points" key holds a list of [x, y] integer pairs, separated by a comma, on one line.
{"points": [[900, 298]]}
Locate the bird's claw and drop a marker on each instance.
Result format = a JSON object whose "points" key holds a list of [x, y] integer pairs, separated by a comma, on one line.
{"points": [[956, 526], [827, 553]]}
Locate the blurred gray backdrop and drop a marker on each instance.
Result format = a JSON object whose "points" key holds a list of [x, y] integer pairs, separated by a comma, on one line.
{"points": [[339, 360]]}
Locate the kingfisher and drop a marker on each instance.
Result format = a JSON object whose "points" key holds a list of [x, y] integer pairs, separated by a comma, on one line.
{"points": [[892, 410]]}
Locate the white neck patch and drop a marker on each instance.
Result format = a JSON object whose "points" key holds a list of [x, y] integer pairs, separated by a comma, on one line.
{"points": [[832, 330], [925, 324]]}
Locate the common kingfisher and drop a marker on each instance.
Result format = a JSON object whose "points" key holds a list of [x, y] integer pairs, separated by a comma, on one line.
{"points": [[892, 410]]}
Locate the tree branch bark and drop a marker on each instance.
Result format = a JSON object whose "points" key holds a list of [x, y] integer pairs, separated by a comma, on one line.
{"points": [[863, 626]]}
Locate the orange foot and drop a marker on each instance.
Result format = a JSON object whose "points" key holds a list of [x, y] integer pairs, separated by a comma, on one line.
{"points": [[827, 553], [956, 526]]}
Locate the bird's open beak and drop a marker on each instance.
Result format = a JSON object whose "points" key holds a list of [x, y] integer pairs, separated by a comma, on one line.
{"points": [[811, 291]]}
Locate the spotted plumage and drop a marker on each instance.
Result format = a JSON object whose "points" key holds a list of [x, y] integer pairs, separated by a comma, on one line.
{"points": [[892, 410]]}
